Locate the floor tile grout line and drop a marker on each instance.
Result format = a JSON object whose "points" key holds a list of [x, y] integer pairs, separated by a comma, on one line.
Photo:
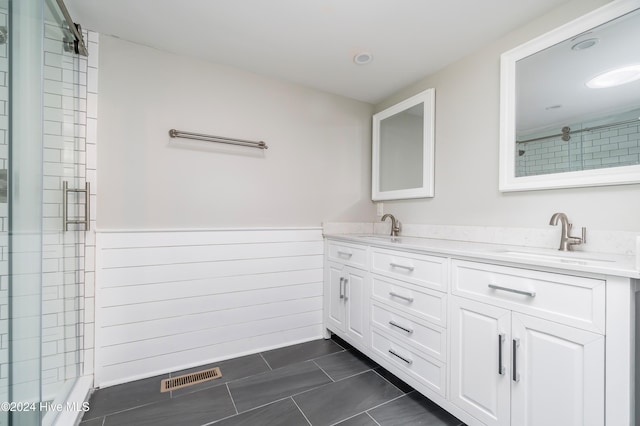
{"points": [[384, 403], [126, 409], [301, 412], [231, 396], [322, 369], [385, 379], [367, 411], [355, 374], [265, 361], [249, 410], [328, 355], [371, 417], [295, 394]]}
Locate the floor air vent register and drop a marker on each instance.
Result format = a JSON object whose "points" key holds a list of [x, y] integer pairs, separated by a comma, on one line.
{"points": [[190, 379]]}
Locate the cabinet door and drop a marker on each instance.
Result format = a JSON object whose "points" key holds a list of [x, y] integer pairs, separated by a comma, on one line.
{"points": [[334, 306], [356, 308], [480, 360], [559, 374]]}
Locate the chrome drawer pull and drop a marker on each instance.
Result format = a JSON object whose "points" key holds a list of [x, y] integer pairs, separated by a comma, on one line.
{"points": [[513, 290], [397, 265], [393, 324], [408, 361], [399, 296], [344, 253], [341, 288]]}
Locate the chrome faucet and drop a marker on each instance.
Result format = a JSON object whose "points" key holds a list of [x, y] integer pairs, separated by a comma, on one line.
{"points": [[567, 241], [395, 224]]}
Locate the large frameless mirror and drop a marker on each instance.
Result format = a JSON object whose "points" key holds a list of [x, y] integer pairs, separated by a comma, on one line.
{"points": [[403, 149], [570, 104]]}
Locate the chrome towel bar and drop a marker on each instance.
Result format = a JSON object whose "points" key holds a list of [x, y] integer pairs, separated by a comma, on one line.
{"points": [[209, 138]]}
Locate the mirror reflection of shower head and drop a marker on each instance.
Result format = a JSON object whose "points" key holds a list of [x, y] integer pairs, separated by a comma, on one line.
{"points": [[3, 35]]}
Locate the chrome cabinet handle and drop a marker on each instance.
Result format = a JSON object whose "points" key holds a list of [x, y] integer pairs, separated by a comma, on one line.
{"points": [[399, 296], [344, 253], [513, 290], [396, 325], [516, 375], [407, 360], [341, 288], [501, 338], [397, 265]]}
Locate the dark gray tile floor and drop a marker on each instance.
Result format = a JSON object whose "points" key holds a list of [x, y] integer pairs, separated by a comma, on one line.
{"points": [[323, 382]]}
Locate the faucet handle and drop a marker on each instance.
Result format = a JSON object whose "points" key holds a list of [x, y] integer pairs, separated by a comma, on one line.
{"points": [[574, 241]]}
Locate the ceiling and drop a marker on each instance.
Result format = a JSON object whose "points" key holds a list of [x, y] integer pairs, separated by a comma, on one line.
{"points": [[313, 42]]}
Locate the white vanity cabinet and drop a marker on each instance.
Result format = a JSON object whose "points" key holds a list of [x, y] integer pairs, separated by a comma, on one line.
{"points": [[512, 368], [409, 316], [494, 342], [346, 292]]}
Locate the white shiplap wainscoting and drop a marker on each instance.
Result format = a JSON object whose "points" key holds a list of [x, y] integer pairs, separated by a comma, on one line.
{"points": [[168, 300]]}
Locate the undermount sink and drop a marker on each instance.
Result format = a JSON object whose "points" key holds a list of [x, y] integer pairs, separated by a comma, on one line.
{"points": [[559, 257]]}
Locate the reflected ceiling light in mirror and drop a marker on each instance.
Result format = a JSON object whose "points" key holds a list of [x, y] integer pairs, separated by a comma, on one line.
{"points": [[363, 58], [616, 77], [585, 44]]}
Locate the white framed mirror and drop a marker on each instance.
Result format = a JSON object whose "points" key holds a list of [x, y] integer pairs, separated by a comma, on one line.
{"points": [[403, 149], [560, 126]]}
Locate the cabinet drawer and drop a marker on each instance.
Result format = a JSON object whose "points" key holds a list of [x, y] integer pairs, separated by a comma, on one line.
{"points": [[348, 254], [432, 340], [426, 304], [428, 271], [428, 371], [571, 300]]}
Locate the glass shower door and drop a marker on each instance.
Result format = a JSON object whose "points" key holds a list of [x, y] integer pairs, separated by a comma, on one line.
{"points": [[41, 269]]}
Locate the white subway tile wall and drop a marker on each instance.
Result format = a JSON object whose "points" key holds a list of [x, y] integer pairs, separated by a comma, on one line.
{"points": [[612, 146]]}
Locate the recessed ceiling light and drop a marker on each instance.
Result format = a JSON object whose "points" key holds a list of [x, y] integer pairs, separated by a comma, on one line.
{"points": [[363, 58], [616, 77], [585, 44]]}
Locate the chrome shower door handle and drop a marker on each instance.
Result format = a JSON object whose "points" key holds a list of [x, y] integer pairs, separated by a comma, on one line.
{"points": [[65, 206]]}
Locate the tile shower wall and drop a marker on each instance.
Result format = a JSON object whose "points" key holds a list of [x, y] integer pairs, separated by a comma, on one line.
{"points": [[70, 122], [70, 112], [606, 147]]}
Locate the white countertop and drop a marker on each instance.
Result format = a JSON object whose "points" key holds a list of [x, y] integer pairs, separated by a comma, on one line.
{"points": [[575, 261]]}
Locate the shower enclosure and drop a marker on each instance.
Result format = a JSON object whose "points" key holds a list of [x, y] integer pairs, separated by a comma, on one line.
{"points": [[42, 106]]}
